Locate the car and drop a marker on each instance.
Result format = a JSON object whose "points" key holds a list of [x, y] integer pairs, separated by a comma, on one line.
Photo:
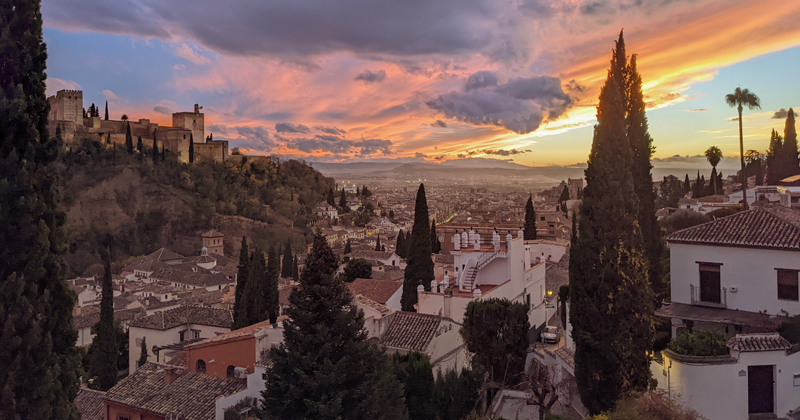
{"points": [[550, 335]]}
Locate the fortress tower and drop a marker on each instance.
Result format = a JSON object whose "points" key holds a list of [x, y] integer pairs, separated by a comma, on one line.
{"points": [[66, 105], [191, 121]]}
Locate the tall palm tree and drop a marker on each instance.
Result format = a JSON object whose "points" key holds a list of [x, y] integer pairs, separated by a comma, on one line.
{"points": [[742, 97], [714, 155]]}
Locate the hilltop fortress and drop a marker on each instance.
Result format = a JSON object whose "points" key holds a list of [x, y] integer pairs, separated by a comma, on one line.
{"points": [[66, 110]]}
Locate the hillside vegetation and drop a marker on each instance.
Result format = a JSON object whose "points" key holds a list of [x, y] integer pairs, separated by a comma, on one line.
{"points": [[145, 205]]}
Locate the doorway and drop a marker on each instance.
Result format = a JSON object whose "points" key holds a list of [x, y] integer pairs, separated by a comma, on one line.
{"points": [[760, 389]]}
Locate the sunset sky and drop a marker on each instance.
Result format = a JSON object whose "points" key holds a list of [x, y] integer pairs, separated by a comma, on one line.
{"points": [[343, 80]]}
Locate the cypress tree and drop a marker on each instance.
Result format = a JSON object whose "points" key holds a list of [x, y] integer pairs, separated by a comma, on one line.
{"points": [[687, 186], [529, 232], [191, 148], [358, 192], [331, 199], [562, 199], [391, 214], [140, 149], [436, 246], [103, 363], [286, 267], [378, 243], [155, 152], [39, 369], [106, 110], [347, 247], [239, 319], [420, 265], [608, 272], [400, 248], [271, 304], [296, 270], [343, 202], [642, 148], [325, 368], [254, 306], [791, 159], [163, 153], [142, 353], [128, 139]]}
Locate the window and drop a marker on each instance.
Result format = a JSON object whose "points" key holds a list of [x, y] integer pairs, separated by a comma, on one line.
{"points": [[787, 284], [200, 366], [710, 283], [182, 335], [231, 371], [196, 334]]}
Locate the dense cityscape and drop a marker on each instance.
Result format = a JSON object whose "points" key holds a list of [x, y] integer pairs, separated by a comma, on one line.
{"points": [[183, 267]]}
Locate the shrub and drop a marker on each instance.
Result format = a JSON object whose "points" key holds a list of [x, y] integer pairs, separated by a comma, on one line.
{"points": [[699, 343]]}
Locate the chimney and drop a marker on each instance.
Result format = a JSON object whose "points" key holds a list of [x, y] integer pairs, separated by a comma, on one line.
{"points": [[170, 375]]}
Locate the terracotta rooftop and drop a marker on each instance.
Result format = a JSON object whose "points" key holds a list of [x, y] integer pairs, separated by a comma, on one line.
{"points": [[758, 342], [89, 320], [172, 318], [212, 234], [192, 396], [90, 404], [410, 330], [771, 227], [369, 303], [249, 330], [393, 273], [371, 255], [763, 322], [378, 290]]}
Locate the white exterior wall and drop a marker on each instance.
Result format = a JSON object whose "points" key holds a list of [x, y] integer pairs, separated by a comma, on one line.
{"points": [[751, 271], [162, 338], [719, 392], [393, 303], [545, 250], [447, 350], [255, 384], [85, 337]]}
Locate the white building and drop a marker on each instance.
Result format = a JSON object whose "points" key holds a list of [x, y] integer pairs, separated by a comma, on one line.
{"points": [[326, 211], [737, 275], [486, 268], [174, 327], [789, 196], [436, 336]]}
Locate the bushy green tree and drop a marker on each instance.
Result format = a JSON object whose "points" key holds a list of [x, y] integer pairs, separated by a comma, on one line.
{"points": [[420, 264], [608, 270], [326, 368], [103, 363], [699, 343], [496, 331], [357, 268], [40, 365], [415, 372], [529, 232]]}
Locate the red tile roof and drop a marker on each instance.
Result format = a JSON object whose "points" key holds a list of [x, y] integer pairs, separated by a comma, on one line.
{"points": [[172, 318], [378, 290], [758, 342], [90, 404], [772, 227], [410, 330]]}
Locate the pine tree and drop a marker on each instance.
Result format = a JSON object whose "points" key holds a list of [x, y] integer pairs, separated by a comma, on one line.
{"points": [[103, 363], [400, 247], [271, 303], [378, 243], [128, 139], [296, 270], [142, 353], [191, 148], [106, 110], [326, 368], [420, 265], [331, 199], [347, 247], [155, 152], [239, 318], [529, 232], [790, 151], [40, 365], [286, 267], [436, 246], [608, 272]]}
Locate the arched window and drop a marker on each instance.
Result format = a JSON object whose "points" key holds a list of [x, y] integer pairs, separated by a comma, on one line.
{"points": [[231, 371], [201, 366]]}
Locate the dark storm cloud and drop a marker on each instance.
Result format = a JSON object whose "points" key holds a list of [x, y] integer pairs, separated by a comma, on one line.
{"points": [[339, 146], [520, 105], [782, 114], [369, 76], [287, 127], [257, 135], [331, 130], [438, 123], [293, 28], [217, 128]]}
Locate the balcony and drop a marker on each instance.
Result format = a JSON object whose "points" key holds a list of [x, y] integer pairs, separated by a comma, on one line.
{"points": [[708, 297]]}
